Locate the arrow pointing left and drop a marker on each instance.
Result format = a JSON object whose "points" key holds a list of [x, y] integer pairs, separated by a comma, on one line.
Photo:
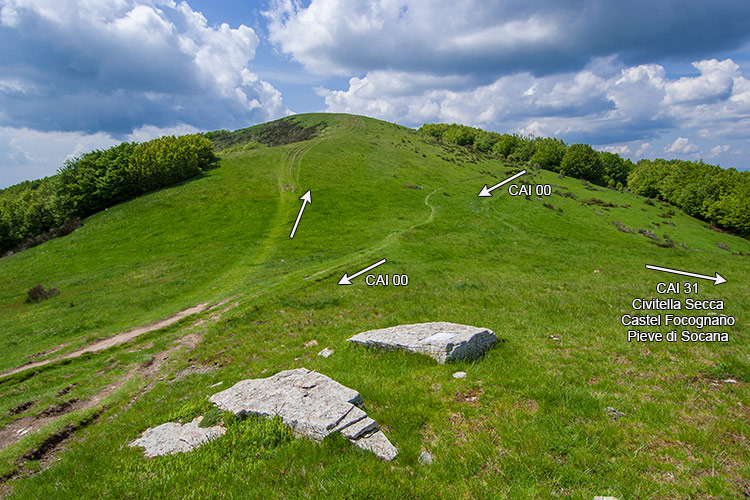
{"points": [[305, 200], [347, 280], [488, 191]]}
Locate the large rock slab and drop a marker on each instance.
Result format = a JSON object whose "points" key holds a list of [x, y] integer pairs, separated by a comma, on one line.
{"points": [[312, 404], [440, 340], [172, 437]]}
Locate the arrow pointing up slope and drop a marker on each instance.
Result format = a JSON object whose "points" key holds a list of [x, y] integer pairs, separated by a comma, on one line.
{"points": [[305, 200]]}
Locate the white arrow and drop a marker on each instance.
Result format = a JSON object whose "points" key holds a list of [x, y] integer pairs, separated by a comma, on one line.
{"points": [[347, 280], [718, 279], [487, 191], [305, 200]]}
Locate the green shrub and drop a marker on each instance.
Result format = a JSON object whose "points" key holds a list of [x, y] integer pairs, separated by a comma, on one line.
{"points": [[506, 145], [549, 153], [616, 168], [485, 141], [38, 293], [460, 134], [582, 161]]}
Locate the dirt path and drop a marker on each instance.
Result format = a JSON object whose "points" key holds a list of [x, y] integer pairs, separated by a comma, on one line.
{"points": [[46, 451], [114, 340]]}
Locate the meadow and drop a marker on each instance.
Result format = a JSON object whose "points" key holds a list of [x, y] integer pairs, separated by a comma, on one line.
{"points": [[564, 406]]}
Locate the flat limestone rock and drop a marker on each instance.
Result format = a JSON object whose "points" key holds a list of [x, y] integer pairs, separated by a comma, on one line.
{"points": [[172, 437], [440, 340], [360, 428], [377, 443], [312, 404]]}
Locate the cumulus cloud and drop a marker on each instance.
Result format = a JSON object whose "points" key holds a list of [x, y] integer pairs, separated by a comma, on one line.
{"points": [[117, 65], [622, 150], [717, 150], [682, 145], [715, 82], [490, 39], [635, 104], [30, 154]]}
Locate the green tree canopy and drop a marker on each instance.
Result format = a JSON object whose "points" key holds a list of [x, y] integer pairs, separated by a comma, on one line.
{"points": [[582, 161]]}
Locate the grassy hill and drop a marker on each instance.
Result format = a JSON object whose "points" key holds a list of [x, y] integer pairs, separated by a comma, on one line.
{"points": [[550, 276]]}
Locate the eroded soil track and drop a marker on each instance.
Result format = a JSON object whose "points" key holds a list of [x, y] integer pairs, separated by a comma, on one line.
{"points": [[114, 340]]}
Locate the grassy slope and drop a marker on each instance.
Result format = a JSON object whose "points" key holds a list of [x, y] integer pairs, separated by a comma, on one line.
{"points": [[537, 429]]}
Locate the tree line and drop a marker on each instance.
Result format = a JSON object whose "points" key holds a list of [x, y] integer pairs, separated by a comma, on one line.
{"points": [[95, 181], [708, 192]]}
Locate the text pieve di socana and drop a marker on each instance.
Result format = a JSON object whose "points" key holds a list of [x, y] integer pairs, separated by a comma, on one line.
{"points": [[688, 320]]}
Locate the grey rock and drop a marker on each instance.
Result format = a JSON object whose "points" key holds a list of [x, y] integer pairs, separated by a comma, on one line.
{"points": [[613, 413], [360, 428], [459, 375], [325, 352], [377, 443], [440, 340], [425, 458], [172, 437], [312, 404]]}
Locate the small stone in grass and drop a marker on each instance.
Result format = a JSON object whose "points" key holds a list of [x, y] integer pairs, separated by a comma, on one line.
{"points": [[459, 375], [173, 437], [425, 458], [613, 413], [325, 352]]}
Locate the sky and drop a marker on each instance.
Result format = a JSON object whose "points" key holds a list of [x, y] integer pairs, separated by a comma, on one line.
{"points": [[645, 79]]}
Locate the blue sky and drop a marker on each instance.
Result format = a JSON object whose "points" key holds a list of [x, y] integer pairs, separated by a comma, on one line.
{"points": [[645, 79]]}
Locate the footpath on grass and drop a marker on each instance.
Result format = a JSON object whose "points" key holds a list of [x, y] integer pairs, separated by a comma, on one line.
{"points": [[114, 340]]}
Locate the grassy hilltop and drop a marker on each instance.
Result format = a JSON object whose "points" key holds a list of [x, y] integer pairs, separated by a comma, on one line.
{"points": [[550, 276]]}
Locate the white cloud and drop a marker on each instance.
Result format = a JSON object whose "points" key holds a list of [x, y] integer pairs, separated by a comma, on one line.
{"points": [[622, 150], [116, 65], [682, 145], [491, 39], [30, 154], [715, 81], [639, 102], [717, 150]]}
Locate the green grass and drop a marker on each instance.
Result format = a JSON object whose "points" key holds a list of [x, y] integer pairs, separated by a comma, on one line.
{"points": [[539, 428]]}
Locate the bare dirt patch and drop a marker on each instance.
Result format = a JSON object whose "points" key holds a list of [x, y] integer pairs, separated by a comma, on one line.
{"points": [[471, 396], [21, 407], [48, 351], [47, 450], [114, 340], [16, 430]]}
